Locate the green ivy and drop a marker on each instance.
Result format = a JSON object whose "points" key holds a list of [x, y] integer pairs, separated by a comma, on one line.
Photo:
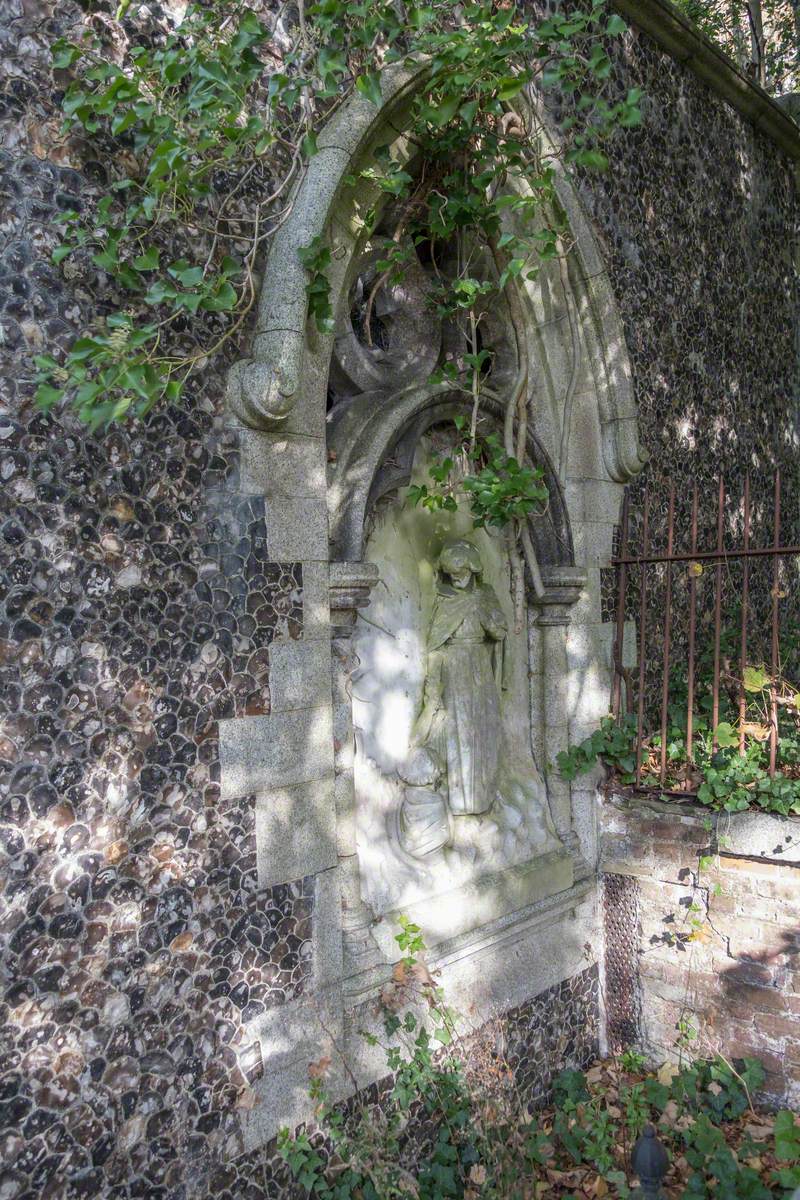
{"points": [[726, 779], [613, 743], [477, 1145], [499, 488], [175, 114], [177, 122]]}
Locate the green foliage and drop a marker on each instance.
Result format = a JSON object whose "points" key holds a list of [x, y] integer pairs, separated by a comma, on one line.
{"points": [[738, 782], [588, 1133], [713, 1088], [498, 487], [489, 1145], [631, 1060], [614, 744], [171, 116], [732, 24], [316, 258], [726, 779], [570, 1087], [715, 1170], [177, 121]]}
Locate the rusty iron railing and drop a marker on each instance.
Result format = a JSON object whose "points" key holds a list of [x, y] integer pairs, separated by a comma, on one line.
{"points": [[720, 557]]}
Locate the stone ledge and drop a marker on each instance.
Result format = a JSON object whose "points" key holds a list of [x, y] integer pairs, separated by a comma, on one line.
{"points": [[763, 836]]}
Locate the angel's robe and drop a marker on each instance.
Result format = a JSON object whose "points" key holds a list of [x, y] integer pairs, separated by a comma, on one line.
{"points": [[465, 675]]}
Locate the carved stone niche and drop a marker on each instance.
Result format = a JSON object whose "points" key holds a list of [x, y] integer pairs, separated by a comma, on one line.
{"points": [[451, 820]]}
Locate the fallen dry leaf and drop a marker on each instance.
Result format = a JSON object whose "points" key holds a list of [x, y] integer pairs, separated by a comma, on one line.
{"points": [[755, 730], [670, 1114], [477, 1174], [667, 1072], [759, 1133]]}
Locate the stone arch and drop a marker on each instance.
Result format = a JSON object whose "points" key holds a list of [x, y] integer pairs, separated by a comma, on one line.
{"points": [[374, 439], [290, 360]]}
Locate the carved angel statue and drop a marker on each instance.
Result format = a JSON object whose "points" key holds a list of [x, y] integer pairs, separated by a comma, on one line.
{"points": [[460, 725]]}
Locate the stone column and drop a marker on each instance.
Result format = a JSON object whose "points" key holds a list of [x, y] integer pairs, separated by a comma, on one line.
{"points": [[350, 588], [563, 587]]}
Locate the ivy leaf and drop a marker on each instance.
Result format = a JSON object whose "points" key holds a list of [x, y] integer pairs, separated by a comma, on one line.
{"points": [[787, 1137], [468, 111], [755, 679], [369, 85], [65, 54], [444, 111], [46, 396], [147, 261], [726, 735], [616, 26], [510, 86], [223, 299]]}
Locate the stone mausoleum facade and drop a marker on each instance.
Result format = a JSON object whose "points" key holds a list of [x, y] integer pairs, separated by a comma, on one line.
{"points": [[237, 734]]}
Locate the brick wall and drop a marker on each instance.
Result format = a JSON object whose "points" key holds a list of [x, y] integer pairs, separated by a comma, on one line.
{"points": [[717, 943]]}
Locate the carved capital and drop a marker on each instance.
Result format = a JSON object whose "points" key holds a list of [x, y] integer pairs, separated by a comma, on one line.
{"points": [[563, 586], [351, 585], [258, 395]]}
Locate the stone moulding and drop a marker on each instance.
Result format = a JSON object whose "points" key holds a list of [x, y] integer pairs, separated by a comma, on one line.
{"points": [[376, 427], [264, 390]]}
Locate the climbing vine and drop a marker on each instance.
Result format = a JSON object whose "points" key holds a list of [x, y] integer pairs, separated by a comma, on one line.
{"points": [[185, 127]]}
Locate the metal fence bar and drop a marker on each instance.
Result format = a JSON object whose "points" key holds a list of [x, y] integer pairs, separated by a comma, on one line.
{"points": [[642, 637], [745, 602], [692, 631], [667, 636], [710, 555], [622, 582], [624, 562], [776, 596]]}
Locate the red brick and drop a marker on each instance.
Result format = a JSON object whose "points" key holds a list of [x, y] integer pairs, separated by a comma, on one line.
{"points": [[676, 831], [775, 1087], [744, 1000], [749, 869], [777, 1026], [755, 973]]}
